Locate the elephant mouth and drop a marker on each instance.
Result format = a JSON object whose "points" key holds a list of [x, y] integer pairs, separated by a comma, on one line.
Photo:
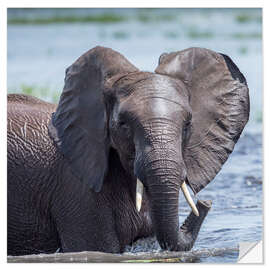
{"points": [[139, 196]]}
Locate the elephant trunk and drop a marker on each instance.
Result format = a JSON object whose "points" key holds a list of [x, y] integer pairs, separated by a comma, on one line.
{"points": [[162, 179], [190, 229], [164, 214], [165, 217]]}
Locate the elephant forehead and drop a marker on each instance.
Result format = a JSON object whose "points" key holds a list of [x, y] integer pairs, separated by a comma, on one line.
{"points": [[155, 91], [155, 106], [146, 83]]}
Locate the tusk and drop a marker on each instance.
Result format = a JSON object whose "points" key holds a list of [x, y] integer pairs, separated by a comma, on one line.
{"points": [[189, 199], [139, 193]]}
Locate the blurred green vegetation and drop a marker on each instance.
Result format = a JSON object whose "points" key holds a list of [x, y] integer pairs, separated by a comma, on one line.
{"points": [[195, 34], [120, 35], [246, 35], [144, 15], [243, 50], [245, 18], [259, 117], [100, 18], [41, 92]]}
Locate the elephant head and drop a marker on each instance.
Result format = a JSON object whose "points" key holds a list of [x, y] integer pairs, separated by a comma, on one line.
{"points": [[170, 128]]}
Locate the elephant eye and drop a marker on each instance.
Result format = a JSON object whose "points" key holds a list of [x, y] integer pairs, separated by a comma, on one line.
{"points": [[187, 124], [186, 130], [123, 126]]}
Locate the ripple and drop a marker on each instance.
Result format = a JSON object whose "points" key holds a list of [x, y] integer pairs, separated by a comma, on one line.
{"points": [[225, 230]]}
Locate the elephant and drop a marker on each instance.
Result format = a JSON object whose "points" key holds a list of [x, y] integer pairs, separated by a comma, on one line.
{"points": [[105, 166]]}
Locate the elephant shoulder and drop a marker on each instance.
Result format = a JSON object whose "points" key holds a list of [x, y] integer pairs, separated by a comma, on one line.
{"points": [[26, 100], [28, 109], [27, 126]]}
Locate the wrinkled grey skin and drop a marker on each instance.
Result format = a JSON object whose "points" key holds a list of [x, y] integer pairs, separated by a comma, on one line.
{"points": [[72, 168]]}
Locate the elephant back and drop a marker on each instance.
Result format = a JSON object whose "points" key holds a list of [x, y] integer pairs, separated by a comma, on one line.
{"points": [[27, 131]]}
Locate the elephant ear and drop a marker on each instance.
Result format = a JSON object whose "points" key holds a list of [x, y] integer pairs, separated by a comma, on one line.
{"points": [[79, 125], [219, 100]]}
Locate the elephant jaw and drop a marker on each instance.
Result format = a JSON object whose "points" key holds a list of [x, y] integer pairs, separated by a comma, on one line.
{"points": [[139, 195]]}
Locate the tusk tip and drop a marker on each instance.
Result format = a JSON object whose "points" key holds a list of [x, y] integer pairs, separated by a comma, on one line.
{"points": [[196, 212], [189, 199], [138, 202]]}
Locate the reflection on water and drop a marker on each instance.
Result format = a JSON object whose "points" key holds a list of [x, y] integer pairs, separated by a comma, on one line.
{"points": [[39, 53]]}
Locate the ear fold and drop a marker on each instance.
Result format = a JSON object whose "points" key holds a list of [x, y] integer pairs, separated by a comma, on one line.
{"points": [[219, 100], [78, 126]]}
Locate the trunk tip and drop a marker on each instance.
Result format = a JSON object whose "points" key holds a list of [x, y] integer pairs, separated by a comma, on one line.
{"points": [[205, 204]]}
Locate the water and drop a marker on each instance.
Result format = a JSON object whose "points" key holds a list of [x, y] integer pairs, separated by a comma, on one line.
{"points": [[38, 55]]}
